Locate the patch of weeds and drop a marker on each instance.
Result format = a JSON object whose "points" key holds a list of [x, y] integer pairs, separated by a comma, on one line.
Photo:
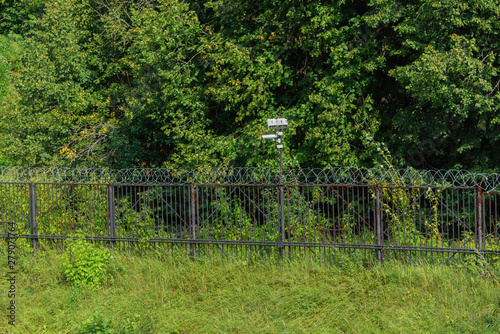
{"points": [[98, 324], [43, 330], [351, 263], [477, 265], [84, 264], [95, 325], [74, 298], [492, 322], [114, 269], [309, 307], [137, 324]]}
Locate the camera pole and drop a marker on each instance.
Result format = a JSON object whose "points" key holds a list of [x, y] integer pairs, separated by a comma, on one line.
{"points": [[279, 124]]}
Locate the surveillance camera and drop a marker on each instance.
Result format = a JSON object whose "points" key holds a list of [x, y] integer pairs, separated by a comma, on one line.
{"points": [[270, 136], [277, 123]]}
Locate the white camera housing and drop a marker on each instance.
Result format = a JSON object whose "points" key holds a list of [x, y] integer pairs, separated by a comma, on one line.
{"points": [[270, 136], [277, 123]]}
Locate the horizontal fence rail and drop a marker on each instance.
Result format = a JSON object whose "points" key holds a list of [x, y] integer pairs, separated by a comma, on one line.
{"points": [[385, 215]]}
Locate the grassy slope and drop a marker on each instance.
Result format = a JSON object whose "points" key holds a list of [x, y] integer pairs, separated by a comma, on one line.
{"points": [[208, 296]]}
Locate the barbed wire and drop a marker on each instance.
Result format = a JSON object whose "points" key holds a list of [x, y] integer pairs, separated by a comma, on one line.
{"points": [[255, 175]]}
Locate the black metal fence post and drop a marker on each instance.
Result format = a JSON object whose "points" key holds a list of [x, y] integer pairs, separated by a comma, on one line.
{"points": [[111, 215], [378, 223], [281, 233], [287, 225], [480, 217], [193, 219], [281, 239], [33, 227]]}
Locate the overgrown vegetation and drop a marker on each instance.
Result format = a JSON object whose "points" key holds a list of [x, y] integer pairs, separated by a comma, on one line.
{"points": [[185, 84], [191, 83], [165, 293], [84, 264]]}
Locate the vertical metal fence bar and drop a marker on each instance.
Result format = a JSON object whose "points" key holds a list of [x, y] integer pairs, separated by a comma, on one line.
{"points": [[378, 223], [33, 227], [111, 215], [192, 197], [479, 225], [493, 217], [472, 216], [281, 240], [220, 211], [72, 210], [240, 205], [122, 192], [288, 219], [200, 248]]}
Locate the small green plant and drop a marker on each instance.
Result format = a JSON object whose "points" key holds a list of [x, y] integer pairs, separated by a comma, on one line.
{"points": [[494, 246], [432, 225], [350, 262], [95, 325], [84, 264], [138, 324], [476, 264]]}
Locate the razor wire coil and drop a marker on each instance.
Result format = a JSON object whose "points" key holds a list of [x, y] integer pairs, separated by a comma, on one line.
{"points": [[255, 175]]}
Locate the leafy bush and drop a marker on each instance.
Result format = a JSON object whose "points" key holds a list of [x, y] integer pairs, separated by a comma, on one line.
{"points": [[84, 264], [95, 325]]}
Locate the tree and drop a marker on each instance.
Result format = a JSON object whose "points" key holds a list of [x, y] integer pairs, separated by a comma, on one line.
{"points": [[187, 84], [9, 63], [72, 86], [444, 103], [15, 15], [128, 83], [243, 63]]}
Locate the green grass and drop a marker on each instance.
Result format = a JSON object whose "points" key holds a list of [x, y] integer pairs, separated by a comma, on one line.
{"points": [[145, 294]]}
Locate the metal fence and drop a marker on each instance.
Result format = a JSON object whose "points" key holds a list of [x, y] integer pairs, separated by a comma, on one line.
{"points": [[406, 215]]}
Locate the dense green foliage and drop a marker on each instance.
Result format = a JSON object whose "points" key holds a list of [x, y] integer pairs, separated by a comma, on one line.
{"points": [[187, 84], [445, 63], [83, 264], [144, 294]]}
